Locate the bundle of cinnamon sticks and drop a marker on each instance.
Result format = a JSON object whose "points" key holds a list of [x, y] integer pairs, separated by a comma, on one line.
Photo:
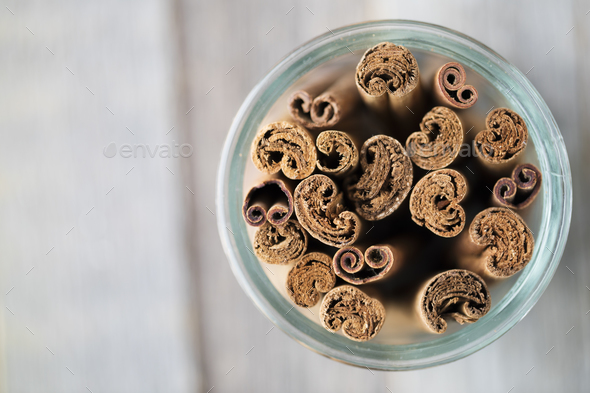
{"points": [[326, 187]]}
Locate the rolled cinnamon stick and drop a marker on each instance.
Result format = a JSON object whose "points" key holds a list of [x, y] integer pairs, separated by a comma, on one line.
{"points": [[263, 203], [326, 109], [504, 139], [388, 76], [505, 242], [284, 146], [386, 179], [331, 143], [280, 244], [435, 199], [450, 87], [459, 294], [311, 276], [320, 209], [439, 140], [359, 316], [526, 178], [357, 267]]}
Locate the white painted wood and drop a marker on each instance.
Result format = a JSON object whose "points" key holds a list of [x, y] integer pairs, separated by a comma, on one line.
{"points": [[125, 299]]}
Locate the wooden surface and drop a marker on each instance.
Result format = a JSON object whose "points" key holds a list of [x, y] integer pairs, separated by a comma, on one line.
{"points": [[125, 300]]}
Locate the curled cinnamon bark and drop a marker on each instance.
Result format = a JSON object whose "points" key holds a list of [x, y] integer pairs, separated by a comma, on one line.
{"points": [[504, 139], [439, 140], [434, 202], [360, 316], [387, 74], [386, 179], [506, 240], [328, 108], [449, 85], [525, 177], [263, 202], [332, 143], [280, 244], [355, 268], [284, 146], [311, 276], [459, 294], [321, 211]]}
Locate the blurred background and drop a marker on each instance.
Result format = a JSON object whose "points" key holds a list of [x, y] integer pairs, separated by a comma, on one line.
{"points": [[112, 276]]}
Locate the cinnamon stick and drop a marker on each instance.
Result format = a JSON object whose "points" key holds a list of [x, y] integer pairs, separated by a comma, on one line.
{"points": [[359, 316], [311, 276], [284, 146], [458, 293], [450, 87], [356, 267], [435, 199], [330, 143], [504, 139], [388, 76], [320, 209], [506, 243], [326, 109], [439, 140], [526, 178], [280, 244], [386, 179], [260, 206]]}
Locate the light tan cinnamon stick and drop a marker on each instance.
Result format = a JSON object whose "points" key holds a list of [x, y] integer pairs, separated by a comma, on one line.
{"points": [[435, 199], [261, 203], [505, 242], [320, 209], [284, 146], [458, 293], [388, 76], [450, 87], [504, 139], [328, 108], [357, 267], [526, 178], [331, 143], [359, 316], [311, 276], [439, 140], [280, 244], [386, 179]]}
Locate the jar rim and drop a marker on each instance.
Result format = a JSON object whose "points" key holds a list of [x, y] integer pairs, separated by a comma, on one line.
{"points": [[554, 165]]}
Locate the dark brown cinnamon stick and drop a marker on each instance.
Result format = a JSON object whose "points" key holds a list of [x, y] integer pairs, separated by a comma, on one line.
{"points": [[280, 244], [320, 209], [311, 276], [348, 308], [459, 294], [526, 178], [505, 242], [450, 87], [332, 143], [357, 267], [435, 199], [326, 109], [439, 140], [287, 147], [386, 179], [504, 139], [261, 203], [388, 76]]}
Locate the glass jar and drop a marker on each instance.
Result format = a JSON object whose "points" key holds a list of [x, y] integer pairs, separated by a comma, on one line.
{"points": [[555, 212]]}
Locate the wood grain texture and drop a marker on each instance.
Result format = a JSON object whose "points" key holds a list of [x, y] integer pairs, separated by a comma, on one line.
{"points": [[109, 301], [124, 300]]}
